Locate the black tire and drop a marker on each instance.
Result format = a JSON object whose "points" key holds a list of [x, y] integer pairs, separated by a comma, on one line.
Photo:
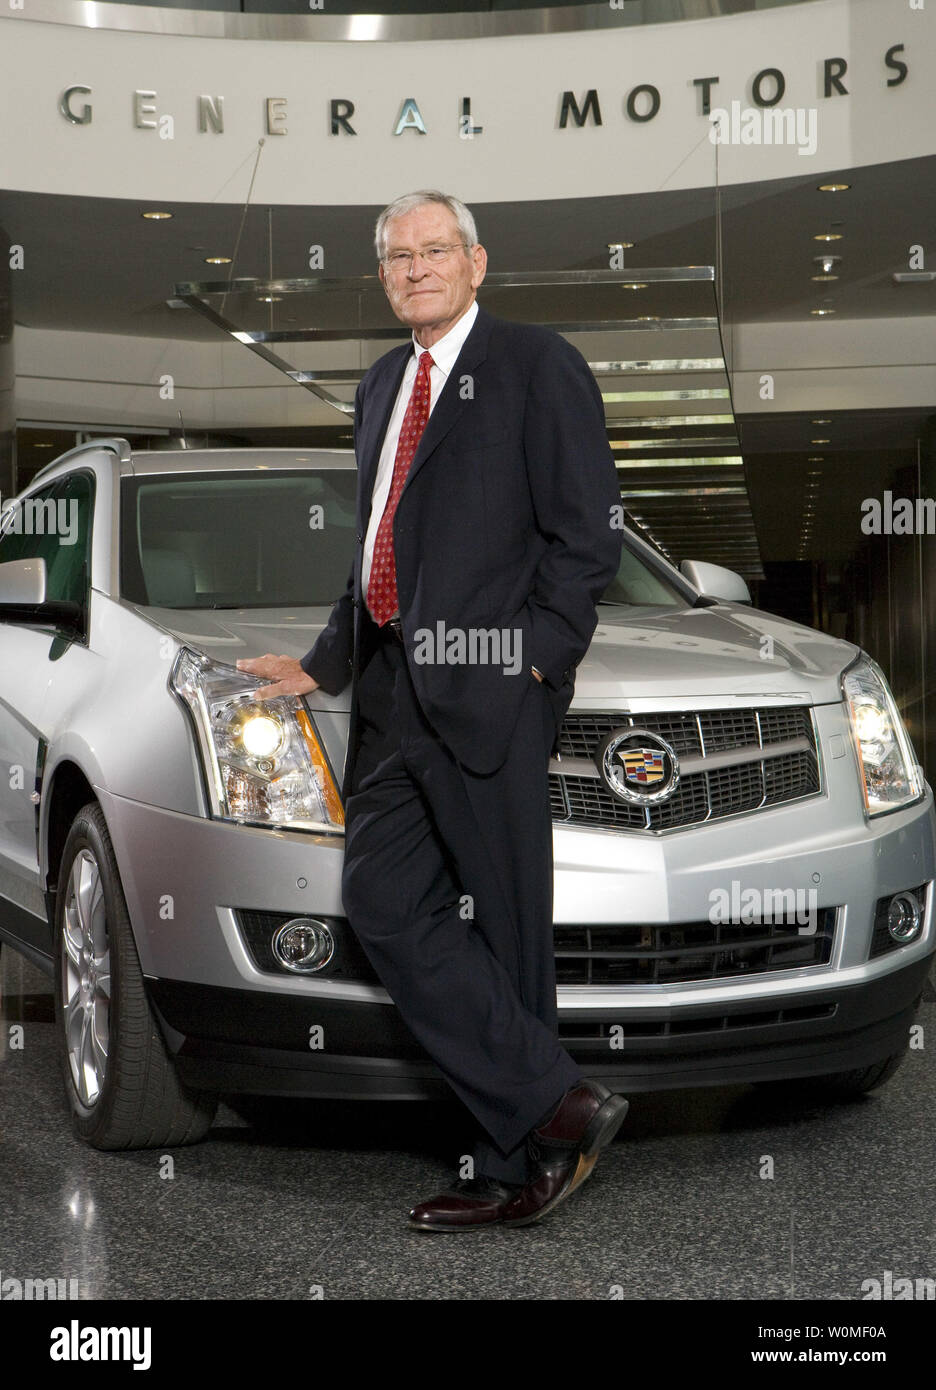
{"points": [[840, 1085], [863, 1079], [133, 1098]]}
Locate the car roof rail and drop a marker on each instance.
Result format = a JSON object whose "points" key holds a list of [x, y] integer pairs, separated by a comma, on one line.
{"points": [[115, 443]]}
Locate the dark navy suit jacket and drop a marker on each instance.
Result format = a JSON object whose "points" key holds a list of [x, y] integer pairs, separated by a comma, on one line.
{"points": [[504, 523]]}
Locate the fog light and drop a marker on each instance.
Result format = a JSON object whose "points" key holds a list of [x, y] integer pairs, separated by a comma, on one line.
{"points": [[303, 944], [904, 917]]}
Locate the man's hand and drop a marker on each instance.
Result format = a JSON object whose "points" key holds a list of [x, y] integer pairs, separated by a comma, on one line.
{"points": [[285, 671]]}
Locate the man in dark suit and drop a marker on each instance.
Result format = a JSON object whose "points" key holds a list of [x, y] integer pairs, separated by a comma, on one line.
{"points": [[486, 492]]}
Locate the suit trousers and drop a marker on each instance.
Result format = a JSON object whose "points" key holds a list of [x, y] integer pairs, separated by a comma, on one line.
{"points": [[447, 884]]}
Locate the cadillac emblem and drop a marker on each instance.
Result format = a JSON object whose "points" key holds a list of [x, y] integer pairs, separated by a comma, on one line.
{"points": [[638, 766]]}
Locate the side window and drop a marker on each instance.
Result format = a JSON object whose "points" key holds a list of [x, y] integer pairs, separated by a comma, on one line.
{"points": [[69, 569], [54, 524]]}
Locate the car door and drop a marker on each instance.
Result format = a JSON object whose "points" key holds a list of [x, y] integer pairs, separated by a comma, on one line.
{"points": [[56, 529]]}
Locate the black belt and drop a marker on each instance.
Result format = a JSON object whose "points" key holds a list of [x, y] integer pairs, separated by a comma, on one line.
{"points": [[393, 627]]}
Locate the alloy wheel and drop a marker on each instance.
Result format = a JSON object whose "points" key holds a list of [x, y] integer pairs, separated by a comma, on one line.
{"points": [[86, 978]]}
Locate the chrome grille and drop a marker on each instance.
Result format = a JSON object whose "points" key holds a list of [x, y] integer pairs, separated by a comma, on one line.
{"points": [[679, 952], [579, 796]]}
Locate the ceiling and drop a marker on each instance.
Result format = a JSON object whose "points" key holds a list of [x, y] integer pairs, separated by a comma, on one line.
{"points": [[129, 266], [714, 496]]}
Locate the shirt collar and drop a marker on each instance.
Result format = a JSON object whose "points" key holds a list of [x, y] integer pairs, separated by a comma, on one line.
{"points": [[446, 349]]}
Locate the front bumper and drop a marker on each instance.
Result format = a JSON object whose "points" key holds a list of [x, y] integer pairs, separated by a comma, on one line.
{"points": [[368, 1053], [235, 1027]]}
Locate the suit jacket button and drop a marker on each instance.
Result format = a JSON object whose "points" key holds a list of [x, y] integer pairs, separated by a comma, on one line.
{"points": [[360, 535]]}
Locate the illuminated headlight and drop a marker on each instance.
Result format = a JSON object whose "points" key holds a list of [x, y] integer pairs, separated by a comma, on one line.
{"points": [[263, 761], [890, 774]]}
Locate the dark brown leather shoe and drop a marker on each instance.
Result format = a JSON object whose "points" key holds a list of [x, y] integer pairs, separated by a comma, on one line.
{"points": [[466, 1206], [564, 1149]]}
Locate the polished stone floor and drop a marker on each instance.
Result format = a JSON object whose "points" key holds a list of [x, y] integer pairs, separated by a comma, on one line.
{"points": [[299, 1200]]}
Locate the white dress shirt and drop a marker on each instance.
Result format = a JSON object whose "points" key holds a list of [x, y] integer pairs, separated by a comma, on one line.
{"points": [[444, 352]]}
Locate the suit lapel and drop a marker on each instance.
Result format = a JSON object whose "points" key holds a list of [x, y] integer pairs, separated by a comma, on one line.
{"points": [[451, 403]]}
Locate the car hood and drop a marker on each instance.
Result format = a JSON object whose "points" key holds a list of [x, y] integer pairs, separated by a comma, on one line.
{"points": [[228, 634], [727, 650]]}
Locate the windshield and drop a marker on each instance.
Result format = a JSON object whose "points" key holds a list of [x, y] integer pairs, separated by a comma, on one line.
{"points": [[267, 539], [273, 539], [637, 584]]}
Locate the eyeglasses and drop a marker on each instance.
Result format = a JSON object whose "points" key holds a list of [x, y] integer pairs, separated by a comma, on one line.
{"points": [[433, 255]]}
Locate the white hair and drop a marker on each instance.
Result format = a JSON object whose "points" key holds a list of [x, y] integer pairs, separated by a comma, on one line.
{"points": [[410, 201]]}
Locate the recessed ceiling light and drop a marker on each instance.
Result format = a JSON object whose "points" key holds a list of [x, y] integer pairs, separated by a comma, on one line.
{"points": [[217, 260], [833, 187], [156, 215], [822, 420], [820, 312], [823, 277], [648, 318], [819, 441], [828, 236], [269, 298], [632, 285], [621, 245]]}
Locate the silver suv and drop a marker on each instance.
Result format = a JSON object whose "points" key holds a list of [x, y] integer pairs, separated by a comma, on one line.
{"points": [[744, 842]]}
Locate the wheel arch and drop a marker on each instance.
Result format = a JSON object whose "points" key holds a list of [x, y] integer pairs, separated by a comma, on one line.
{"points": [[66, 789]]}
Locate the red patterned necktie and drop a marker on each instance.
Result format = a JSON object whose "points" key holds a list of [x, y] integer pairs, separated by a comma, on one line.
{"points": [[381, 586]]}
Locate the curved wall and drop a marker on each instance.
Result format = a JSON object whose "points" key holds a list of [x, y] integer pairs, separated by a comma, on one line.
{"points": [[513, 144]]}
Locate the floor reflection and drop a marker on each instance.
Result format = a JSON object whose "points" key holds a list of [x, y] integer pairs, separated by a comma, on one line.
{"points": [[285, 1196]]}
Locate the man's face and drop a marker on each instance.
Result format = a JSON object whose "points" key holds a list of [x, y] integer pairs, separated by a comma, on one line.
{"points": [[430, 298]]}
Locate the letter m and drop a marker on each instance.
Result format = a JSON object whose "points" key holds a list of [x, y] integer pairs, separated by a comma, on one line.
{"points": [[115, 1344], [779, 904], [39, 515], [569, 104], [40, 1288]]}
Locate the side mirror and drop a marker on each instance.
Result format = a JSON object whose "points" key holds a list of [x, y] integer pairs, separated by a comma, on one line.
{"points": [[23, 582], [714, 581]]}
